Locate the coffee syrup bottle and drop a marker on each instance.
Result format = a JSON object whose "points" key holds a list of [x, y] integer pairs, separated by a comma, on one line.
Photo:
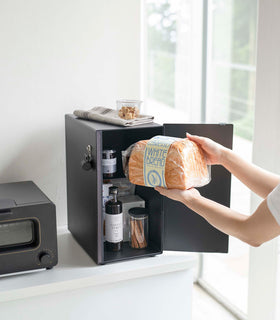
{"points": [[114, 222]]}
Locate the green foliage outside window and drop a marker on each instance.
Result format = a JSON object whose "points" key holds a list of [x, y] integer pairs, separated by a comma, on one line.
{"points": [[161, 51], [238, 61]]}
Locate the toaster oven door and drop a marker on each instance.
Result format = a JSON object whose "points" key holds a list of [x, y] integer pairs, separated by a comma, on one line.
{"points": [[18, 234], [184, 230]]}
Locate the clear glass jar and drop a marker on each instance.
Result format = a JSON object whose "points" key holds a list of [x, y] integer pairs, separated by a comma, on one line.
{"points": [[129, 109], [138, 227]]}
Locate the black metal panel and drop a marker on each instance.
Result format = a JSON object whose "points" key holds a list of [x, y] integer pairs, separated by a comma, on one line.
{"points": [[184, 230], [84, 187]]}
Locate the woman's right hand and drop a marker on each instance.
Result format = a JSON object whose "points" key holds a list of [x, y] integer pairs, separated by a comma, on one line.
{"points": [[213, 150]]}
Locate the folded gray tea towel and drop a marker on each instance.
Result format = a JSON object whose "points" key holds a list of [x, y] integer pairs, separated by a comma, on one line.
{"points": [[104, 114]]}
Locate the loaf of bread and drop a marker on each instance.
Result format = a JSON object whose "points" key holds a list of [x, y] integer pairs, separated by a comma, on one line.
{"points": [[185, 165]]}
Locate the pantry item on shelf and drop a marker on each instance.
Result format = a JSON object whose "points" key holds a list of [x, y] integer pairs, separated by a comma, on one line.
{"points": [[138, 228], [169, 162], [128, 109], [105, 197], [109, 163], [129, 202], [125, 187], [113, 222], [105, 192]]}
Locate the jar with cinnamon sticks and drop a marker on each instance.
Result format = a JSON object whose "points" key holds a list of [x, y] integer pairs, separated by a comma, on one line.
{"points": [[138, 227]]}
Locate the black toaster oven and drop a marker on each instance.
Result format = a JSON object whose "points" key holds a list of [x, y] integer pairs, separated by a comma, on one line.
{"points": [[28, 236]]}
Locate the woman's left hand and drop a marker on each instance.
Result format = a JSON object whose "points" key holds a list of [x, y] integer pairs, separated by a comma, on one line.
{"points": [[184, 196]]}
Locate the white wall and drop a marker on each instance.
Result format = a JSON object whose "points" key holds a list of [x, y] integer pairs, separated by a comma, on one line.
{"points": [[262, 303], [57, 55]]}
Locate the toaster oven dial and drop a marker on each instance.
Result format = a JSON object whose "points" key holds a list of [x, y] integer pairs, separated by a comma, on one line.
{"points": [[45, 258]]}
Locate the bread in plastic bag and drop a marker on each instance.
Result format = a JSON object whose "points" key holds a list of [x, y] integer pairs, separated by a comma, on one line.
{"points": [[185, 164]]}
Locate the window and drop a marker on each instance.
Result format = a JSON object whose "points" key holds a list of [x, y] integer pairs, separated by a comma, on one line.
{"points": [[173, 59], [201, 66], [231, 76]]}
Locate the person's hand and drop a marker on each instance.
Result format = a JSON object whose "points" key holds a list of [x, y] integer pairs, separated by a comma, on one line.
{"points": [[184, 196], [213, 150]]}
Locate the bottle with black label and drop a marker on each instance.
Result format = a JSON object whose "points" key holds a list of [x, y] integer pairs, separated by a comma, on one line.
{"points": [[114, 222]]}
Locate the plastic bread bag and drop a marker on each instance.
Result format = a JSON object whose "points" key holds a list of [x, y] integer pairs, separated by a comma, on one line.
{"points": [[169, 162]]}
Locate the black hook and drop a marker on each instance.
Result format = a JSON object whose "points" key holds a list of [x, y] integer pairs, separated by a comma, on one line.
{"points": [[87, 162]]}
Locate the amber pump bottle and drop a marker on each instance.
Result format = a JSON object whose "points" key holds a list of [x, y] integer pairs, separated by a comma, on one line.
{"points": [[113, 222]]}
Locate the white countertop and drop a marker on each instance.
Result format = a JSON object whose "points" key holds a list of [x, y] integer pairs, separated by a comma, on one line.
{"points": [[76, 270]]}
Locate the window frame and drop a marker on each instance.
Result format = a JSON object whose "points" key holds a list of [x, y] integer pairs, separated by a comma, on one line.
{"points": [[255, 254]]}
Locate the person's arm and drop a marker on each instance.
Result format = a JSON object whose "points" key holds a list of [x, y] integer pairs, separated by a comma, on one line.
{"points": [[258, 180], [254, 230]]}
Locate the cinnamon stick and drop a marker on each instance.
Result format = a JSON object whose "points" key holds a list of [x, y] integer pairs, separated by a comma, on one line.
{"points": [[137, 234]]}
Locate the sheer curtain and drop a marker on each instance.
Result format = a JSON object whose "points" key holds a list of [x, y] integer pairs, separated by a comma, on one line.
{"points": [[264, 266]]}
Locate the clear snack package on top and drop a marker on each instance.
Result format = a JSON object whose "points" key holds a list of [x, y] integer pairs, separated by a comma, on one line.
{"points": [[169, 162], [128, 109]]}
